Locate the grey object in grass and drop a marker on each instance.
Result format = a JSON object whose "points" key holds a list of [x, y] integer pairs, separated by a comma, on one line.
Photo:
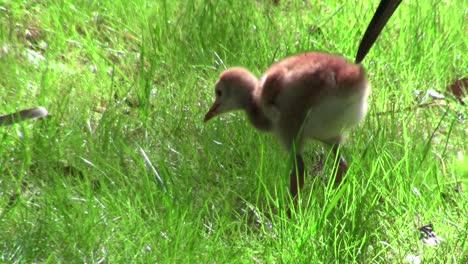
{"points": [[25, 114]]}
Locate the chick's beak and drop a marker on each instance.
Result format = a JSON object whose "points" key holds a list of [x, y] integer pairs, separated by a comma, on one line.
{"points": [[211, 112]]}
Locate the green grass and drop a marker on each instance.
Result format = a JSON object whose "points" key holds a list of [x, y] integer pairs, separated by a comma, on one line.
{"points": [[124, 170]]}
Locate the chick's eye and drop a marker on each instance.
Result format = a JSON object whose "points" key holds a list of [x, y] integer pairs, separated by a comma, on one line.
{"points": [[218, 93]]}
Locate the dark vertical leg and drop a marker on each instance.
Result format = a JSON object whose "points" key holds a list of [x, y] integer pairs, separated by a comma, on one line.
{"points": [[342, 165], [296, 179]]}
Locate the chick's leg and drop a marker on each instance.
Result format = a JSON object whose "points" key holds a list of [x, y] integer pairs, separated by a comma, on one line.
{"points": [[296, 179]]}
